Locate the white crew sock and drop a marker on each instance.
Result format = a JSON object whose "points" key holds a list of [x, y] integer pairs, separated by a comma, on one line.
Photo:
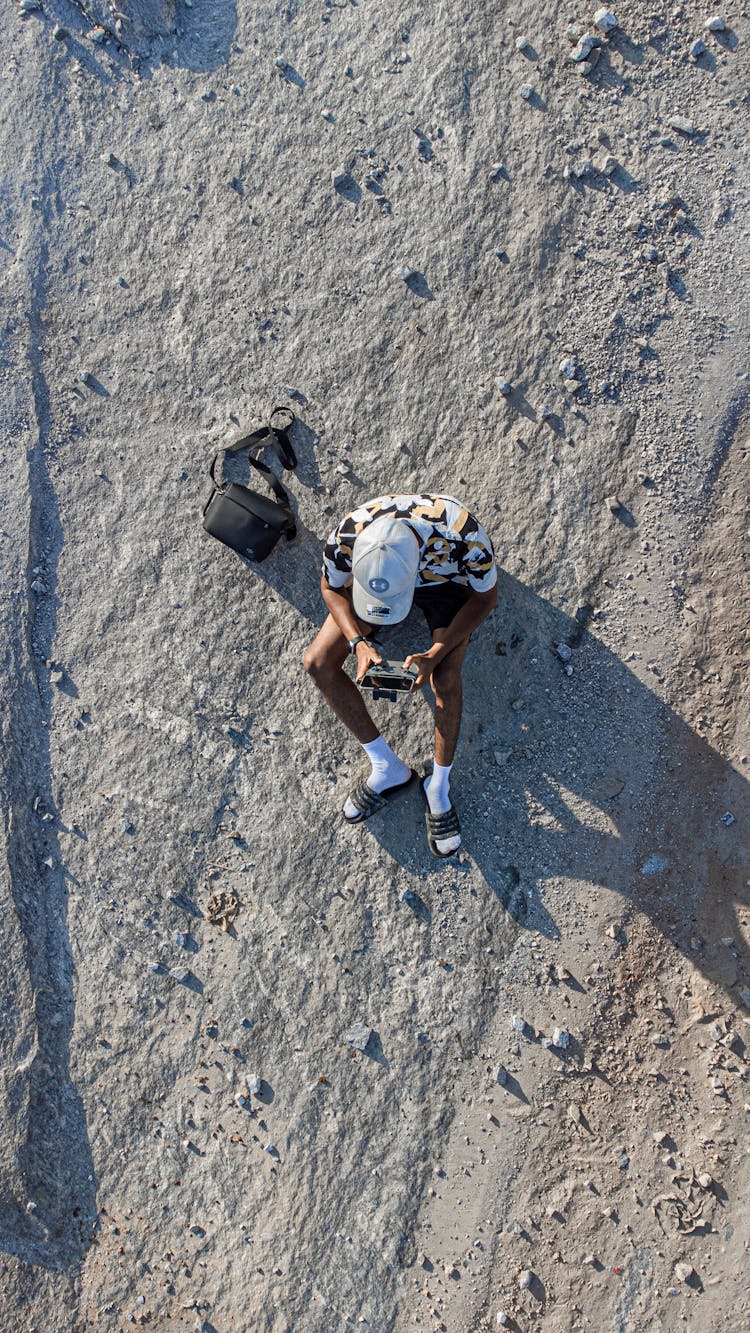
{"points": [[437, 788], [387, 770]]}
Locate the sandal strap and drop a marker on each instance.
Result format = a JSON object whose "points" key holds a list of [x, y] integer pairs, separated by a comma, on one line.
{"points": [[445, 825], [366, 800]]}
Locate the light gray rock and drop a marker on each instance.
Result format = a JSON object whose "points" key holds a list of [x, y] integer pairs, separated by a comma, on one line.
{"points": [[605, 21], [685, 1272], [584, 47], [655, 864], [682, 124], [359, 1036], [582, 167]]}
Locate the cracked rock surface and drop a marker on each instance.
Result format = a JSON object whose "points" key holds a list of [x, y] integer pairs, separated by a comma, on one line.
{"points": [[208, 209]]}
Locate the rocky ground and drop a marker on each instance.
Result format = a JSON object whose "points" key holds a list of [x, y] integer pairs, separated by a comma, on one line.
{"points": [[470, 263]]}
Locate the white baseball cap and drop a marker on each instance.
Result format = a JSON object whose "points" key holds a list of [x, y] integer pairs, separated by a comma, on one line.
{"points": [[385, 561]]}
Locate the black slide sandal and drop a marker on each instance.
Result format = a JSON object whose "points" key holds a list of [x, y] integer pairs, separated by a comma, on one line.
{"points": [[440, 826], [368, 802]]}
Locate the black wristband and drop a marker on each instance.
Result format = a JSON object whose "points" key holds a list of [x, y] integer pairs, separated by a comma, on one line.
{"points": [[361, 638]]}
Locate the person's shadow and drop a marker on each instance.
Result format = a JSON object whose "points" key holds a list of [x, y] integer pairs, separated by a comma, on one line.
{"points": [[566, 769], [588, 777]]}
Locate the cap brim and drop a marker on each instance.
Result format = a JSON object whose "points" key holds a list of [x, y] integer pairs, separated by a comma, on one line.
{"points": [[377, 612]]}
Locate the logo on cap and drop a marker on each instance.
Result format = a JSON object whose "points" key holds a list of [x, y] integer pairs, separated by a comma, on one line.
{"points": [[378, 585]]}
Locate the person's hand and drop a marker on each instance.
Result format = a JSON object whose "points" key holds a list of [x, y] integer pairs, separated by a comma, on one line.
{"points": [[425, 664], [366, 656]]}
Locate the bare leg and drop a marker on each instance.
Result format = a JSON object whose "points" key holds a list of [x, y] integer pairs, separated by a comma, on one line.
{"points": [[448, 689], [446, 683], [324, 660]]}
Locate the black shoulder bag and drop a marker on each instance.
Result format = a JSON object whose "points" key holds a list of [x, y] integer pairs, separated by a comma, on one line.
{"points": [[248, 522]]}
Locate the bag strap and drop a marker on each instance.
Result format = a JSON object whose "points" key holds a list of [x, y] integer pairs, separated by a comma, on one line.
{"points": [[276, 438], [286, 451], [273, 482], [270, 436]]}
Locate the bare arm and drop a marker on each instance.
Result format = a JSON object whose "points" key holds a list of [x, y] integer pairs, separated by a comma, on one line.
{"points": [[470, 617], [339, 604]]}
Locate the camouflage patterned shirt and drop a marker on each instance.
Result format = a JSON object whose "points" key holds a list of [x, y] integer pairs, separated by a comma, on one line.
{"points": [[454, 546]]}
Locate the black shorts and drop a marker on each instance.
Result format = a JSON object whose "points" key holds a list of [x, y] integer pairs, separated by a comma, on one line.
{"points": [[441, 603]]}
